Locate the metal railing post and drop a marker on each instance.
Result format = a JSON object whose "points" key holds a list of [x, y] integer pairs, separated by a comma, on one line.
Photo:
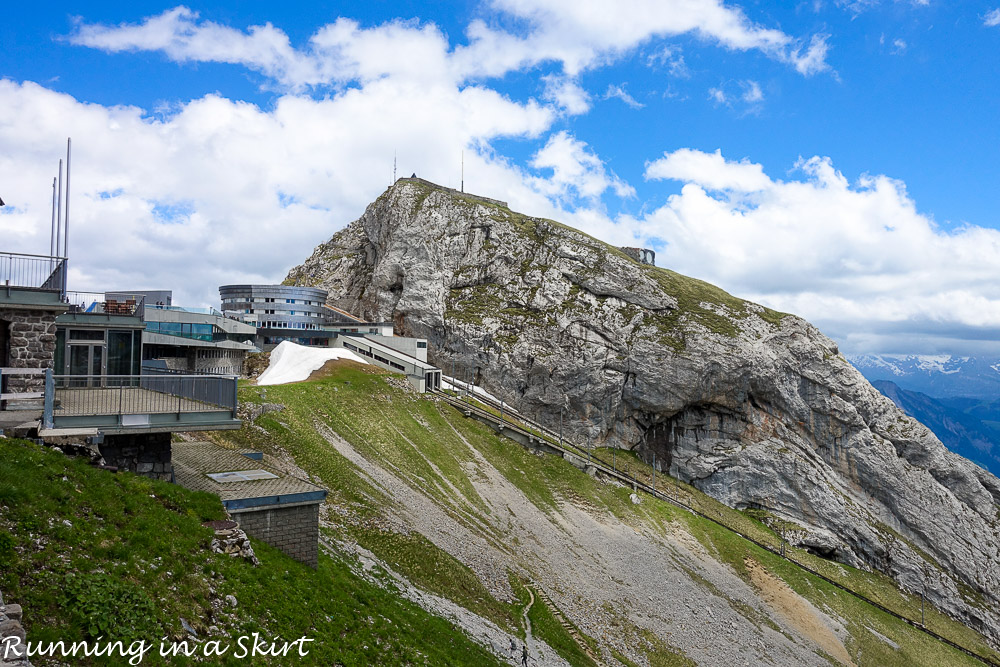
{"points": [[235, 395], [50, 396]]}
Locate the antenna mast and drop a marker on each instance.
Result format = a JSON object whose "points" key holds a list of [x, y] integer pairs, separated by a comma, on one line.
{"points": [[463, 171], [393, 166]]}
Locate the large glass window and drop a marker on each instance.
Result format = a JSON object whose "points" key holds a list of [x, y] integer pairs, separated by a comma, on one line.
{"points": [[123, 358]]}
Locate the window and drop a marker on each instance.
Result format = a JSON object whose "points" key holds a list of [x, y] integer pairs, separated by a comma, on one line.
{"points": [[268, 300], [289, 300], [77, 334], [421, 345]]}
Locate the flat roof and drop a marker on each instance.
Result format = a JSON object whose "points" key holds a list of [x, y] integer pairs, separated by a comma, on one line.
{"points": [[194, 462]]}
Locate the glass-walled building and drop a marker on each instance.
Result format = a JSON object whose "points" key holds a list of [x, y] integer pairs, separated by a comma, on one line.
{"points": [[200, 340], [98, 337]]}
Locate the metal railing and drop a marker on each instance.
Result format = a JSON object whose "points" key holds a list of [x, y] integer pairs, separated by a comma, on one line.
{"points": [[150, 393], [5, 390], [96, 302], [218, 390], [32, 271]]}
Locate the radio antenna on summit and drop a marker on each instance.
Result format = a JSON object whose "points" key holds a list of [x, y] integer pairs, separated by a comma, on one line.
{"points": [[393, 166], [463, 171]]}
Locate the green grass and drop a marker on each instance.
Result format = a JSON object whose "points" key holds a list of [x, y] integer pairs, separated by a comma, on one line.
{"points": [[134, 561], [426, 443]]}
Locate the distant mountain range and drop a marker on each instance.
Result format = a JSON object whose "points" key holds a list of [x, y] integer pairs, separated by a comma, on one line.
{"points": [[966, 426], [941, 376]]}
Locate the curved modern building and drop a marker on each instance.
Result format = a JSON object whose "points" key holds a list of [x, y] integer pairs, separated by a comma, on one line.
{"points": [[284, 312]]}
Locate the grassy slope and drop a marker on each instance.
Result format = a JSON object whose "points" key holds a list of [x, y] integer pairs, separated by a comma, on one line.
{"points": [[418, 437], [134, 560], [355, 621]]}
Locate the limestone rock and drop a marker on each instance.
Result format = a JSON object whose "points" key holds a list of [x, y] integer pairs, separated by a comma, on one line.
{"points": [[757, 408]]}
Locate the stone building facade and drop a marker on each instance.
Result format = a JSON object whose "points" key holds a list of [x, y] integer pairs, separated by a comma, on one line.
{"points": [[27, 340]]}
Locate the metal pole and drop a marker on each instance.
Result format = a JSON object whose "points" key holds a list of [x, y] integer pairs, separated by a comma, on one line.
{"points": [[52, 236], [49, 400], [59, 211], [921, 608], [561, 425], [69, 147]]}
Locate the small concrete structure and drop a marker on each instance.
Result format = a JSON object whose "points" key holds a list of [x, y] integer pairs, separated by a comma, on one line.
{"points": [[641, 255], [278, 509]]}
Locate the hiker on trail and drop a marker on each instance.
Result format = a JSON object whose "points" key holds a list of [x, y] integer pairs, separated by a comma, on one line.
{"points": [[524, 655], [513, 647]]}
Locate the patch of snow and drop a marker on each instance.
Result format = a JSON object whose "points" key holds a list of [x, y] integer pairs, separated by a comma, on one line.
{"points": [[291, 362], [936, 363]]}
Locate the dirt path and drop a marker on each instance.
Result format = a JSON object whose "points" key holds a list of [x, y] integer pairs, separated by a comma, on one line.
{"points": [[798, 612], [529, 640]]}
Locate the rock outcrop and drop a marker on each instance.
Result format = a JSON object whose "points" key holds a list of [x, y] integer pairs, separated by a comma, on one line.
{"points": [[755, 407]]}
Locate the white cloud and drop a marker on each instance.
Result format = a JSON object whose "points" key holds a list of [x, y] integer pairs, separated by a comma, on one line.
{"points": [[575, 171], [671, 57], [182, 37], [582, 32], [579, 35], [992, 18], [856, 258], [566, 94], [619, 92], [745, 94], [709, 170], [718, 95], [223, 191], [752, 93]]}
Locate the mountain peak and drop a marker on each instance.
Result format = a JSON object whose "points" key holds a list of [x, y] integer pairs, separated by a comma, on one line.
{"points": [[754, 407]]}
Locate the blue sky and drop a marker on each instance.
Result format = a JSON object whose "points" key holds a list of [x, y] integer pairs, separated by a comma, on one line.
{"points": [[833, 159]]}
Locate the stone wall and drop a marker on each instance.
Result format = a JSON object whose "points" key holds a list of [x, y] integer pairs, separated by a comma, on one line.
{"points": [[293, 529], [146, 454], [10, 626], [32, 345]]}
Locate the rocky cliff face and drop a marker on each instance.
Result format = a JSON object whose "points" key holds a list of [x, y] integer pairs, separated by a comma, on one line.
{"points": [[755, 407]]}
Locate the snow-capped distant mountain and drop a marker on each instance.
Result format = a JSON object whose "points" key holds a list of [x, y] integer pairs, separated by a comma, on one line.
{"points": [[935, 375]]}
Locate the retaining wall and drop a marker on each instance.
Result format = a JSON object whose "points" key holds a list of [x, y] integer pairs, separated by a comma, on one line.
{"points": [[292, 528]]}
